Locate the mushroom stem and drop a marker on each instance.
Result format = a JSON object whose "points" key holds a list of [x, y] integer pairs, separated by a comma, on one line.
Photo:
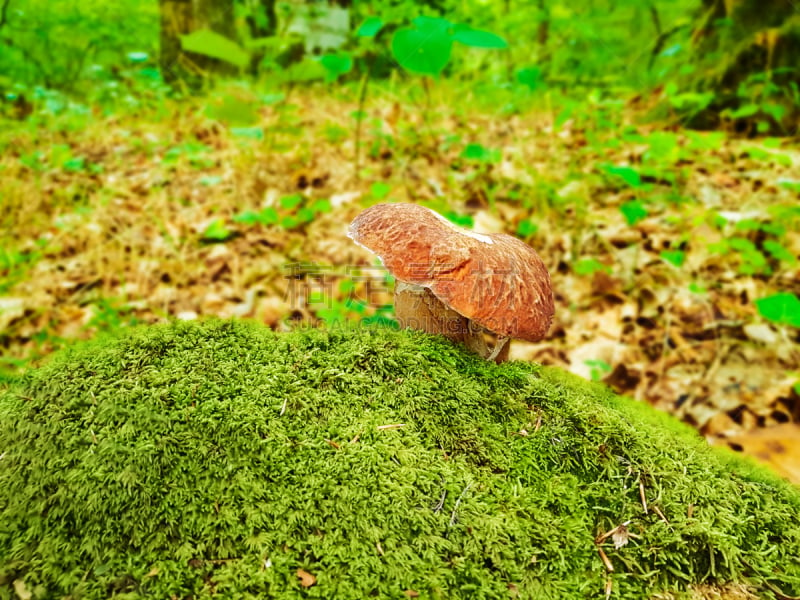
{"points": [[501, 349], [417, 308]]}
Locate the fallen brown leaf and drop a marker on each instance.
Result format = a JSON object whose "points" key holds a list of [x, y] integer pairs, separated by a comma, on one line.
{"points": [[777, 447], [306, 578]]}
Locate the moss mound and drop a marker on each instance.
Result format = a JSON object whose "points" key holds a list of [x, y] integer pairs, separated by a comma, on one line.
{"points": [[221, 459]]}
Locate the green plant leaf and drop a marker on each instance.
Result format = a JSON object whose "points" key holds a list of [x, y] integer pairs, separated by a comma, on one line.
{"points": [[480, 153], [211, 44], [73, 165], [370, 27], [633, 211], [742, 245], [305, 215], [531, 77], [782, 308], [268, 216], [321, 206], [431, 24], [422, 51], [337, 64], [379, 190], [588, 266], [289, 222], [599, 368], [306, 70], [477, 38], [253, 133], [627, 174], [779, 251], [460, 219], [217, 231], [247, 217], [698, 288], [747, 110], [526, 228], [674, 257], [291, 202]]}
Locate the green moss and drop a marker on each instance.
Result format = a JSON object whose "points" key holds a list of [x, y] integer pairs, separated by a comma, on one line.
{"points": [[195, 460]]}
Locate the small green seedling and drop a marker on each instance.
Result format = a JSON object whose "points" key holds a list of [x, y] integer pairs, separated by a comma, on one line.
{"points": [[599, 368]]}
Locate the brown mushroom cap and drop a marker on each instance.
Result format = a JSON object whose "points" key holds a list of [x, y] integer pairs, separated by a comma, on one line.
{"points": [[495, 280]]}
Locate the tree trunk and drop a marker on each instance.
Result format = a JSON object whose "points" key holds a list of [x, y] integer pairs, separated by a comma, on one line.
{"points": [[181, 17], [746, 52]]}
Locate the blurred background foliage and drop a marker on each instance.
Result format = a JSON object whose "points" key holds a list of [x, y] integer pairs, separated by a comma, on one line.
{"points": [[710, 63]]}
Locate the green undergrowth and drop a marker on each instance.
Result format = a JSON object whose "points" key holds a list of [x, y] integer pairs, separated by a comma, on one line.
{"points": [[222, 459]]}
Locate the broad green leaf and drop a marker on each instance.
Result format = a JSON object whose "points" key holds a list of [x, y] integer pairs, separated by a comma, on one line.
{"points": [[627, 174], [370, 27], [477, 38], [748, 110], [211, 44], [337, 64], [782, 308], [431, 24], [425, 52], [633, 212]]}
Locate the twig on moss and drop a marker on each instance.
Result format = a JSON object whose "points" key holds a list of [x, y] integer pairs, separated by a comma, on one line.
{"points": [[642, 496], [458, 501], [439, 505], [660, 514], [606, 560]]}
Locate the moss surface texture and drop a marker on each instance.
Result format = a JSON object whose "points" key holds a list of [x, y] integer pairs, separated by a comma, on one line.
{"points": [[222, 459]]}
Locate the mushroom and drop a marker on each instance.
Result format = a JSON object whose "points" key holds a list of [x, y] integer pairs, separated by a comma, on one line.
{"points": [[456, 282]]}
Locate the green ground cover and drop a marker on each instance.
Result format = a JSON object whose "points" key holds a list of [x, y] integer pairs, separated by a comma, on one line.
{"points": [[223, 459]]}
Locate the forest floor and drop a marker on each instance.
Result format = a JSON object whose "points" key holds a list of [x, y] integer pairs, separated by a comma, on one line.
{"points": [[673, 253]]}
